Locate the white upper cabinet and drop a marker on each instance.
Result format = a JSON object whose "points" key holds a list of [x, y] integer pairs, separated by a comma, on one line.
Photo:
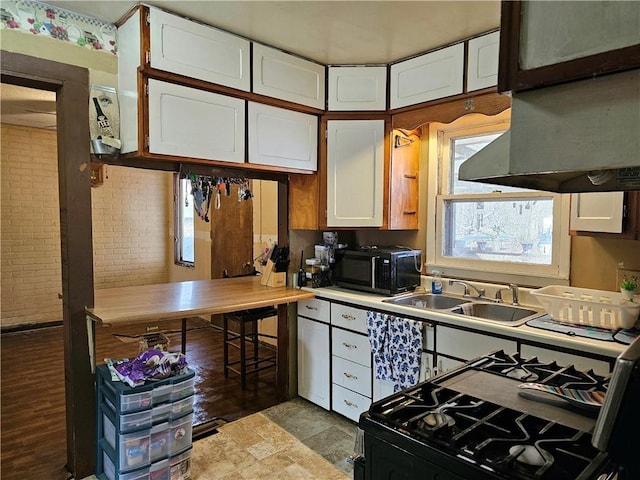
{"points": [[430, 76], [187, 122], [355, 173], [597, 212], [357, 88], [482, 61], [280, 75], [198, 51], [282, 137]]}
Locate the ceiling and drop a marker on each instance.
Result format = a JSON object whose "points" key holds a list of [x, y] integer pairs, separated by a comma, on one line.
{"points": [[329, 32]]}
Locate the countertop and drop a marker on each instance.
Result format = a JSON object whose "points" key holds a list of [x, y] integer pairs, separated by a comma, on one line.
{"points": [[523, 332], [183, 299]]}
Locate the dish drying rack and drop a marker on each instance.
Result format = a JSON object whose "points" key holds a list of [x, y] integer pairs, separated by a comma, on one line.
{"points": [[588, 307]]}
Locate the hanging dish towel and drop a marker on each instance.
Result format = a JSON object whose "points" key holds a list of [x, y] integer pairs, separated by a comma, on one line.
{"points": [[396, 345]]}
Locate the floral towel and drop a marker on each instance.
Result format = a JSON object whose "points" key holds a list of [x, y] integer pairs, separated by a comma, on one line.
{"points": [[396, 345]]}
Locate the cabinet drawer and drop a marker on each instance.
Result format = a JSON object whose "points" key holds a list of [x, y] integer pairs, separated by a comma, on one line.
{"points": [[348, 317], [351, 346], [348, 403], [351, 375], [468, 345], [314, 308]]}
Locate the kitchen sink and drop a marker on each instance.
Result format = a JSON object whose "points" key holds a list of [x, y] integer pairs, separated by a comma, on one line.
{"points": [[497, 312], [428, 301]]}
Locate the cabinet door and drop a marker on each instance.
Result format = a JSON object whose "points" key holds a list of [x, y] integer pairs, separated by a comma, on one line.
{"points": [[315, 308], [430, 76], [280, 75], [187, 122], [469, 345], [349, 403], [357, 88], [565, 359], [313, 362], [597, 212], [282, 138], [198, 51], [482, 61], [355, 170], [445, 364]]}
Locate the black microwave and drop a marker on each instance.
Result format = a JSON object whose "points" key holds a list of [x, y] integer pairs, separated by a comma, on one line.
{"points": [[384, 270]]}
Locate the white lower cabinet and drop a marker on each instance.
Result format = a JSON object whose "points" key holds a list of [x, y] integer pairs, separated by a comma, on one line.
{"points": [[564, 359], [468, 345], [445, 364], [313, 366], [187, 122], [349, 403]]}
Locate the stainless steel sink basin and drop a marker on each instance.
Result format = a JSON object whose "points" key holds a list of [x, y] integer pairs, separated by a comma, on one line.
{"points": [[428, 300], [497, 312]]}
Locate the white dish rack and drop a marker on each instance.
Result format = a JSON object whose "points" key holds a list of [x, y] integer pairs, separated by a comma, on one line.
{"points": [[584, 306]]}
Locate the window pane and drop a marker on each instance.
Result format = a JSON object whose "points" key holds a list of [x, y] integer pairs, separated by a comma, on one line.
{"points": [[186, 238], [462, 149], [510, 230]]}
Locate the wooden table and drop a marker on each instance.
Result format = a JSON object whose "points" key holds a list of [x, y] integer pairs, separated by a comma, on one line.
{"points": [[145, 303]]}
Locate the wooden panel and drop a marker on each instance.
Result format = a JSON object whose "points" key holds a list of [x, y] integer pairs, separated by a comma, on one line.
{"points": [[304, 202], [404, 180]]}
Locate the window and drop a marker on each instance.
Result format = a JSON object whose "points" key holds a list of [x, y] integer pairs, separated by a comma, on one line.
{"points": [[183, 222], [490, 232]]}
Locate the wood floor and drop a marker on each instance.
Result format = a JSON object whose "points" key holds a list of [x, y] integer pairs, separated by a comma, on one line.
{"points": [[32, 420]]}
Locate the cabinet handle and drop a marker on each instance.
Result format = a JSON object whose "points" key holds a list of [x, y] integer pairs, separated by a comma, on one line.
{"points": [[411, 177], [409, 212], [348, 317], [350, 404], [311, 308], [349, 345], [348, 375]]}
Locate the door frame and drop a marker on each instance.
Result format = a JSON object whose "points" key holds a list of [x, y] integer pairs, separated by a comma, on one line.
{"points": [[71, 84]]}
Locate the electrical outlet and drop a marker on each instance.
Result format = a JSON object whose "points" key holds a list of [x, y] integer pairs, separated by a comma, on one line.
{"points": [[627, 274]]}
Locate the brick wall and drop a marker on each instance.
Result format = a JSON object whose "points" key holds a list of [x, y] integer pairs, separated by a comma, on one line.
{"points": [[130, 227]]}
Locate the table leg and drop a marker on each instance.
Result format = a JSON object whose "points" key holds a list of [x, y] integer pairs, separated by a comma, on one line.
{"points": [[282, 365], [184, 336]]}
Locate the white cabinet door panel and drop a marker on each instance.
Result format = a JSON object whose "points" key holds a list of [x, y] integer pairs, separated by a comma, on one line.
{"points": [[348, 403], [430, 76], [469, 345], [357, 88], [187, 48], [280, 75], [565, 359], [445, 364], [351, 375], [597, 212], [128, 63], [355, 171], [351, 346], [314, 380], [282, 138], [315, 308], [187, 122], [482, 61], [381, 389]]}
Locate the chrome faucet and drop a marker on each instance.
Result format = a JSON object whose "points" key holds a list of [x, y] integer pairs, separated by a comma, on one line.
{"points": [[467, 286], [514, 294]]}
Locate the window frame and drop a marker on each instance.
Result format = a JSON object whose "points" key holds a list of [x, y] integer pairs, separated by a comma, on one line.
{"points": [[178, 229], [486, 270]]}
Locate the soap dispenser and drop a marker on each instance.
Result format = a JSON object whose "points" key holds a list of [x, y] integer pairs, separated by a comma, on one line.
{"points": [[436, 282]]}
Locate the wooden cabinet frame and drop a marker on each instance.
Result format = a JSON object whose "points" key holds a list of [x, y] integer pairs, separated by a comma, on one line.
{"points": [[512, 78]]}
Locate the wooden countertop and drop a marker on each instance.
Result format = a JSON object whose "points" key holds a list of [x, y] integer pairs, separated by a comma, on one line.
{"points": [[183, 299]]}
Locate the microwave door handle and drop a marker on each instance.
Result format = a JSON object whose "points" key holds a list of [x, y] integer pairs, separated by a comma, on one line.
{"points": [[373, 271]]}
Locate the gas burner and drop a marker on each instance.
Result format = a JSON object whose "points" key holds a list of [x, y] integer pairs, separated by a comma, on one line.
{"points": [[529, 455]]}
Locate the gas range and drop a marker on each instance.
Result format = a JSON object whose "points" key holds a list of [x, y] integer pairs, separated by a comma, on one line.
{"points": [[479, 422]]}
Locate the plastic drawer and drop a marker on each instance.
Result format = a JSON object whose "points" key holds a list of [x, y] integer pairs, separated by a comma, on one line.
{"points": [[181, 466], [161, 394], [180, 432], [128, 402], [182, 388], [156, 471], [138, 448]]}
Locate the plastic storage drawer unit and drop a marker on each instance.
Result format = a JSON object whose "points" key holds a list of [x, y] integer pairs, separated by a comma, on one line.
{"points": [[180, 431], [176, 467]]}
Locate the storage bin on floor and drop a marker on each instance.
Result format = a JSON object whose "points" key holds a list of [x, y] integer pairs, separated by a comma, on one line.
{"points": [[176, 467]]}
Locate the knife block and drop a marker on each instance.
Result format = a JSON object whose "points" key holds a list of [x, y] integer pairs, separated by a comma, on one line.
{"points": [[271, 278]]}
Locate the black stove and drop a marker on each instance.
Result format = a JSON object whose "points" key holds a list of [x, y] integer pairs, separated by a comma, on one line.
{"points": [[476, 423]]}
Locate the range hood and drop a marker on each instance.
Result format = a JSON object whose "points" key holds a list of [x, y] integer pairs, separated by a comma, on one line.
{"points": [[581, 136]]}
